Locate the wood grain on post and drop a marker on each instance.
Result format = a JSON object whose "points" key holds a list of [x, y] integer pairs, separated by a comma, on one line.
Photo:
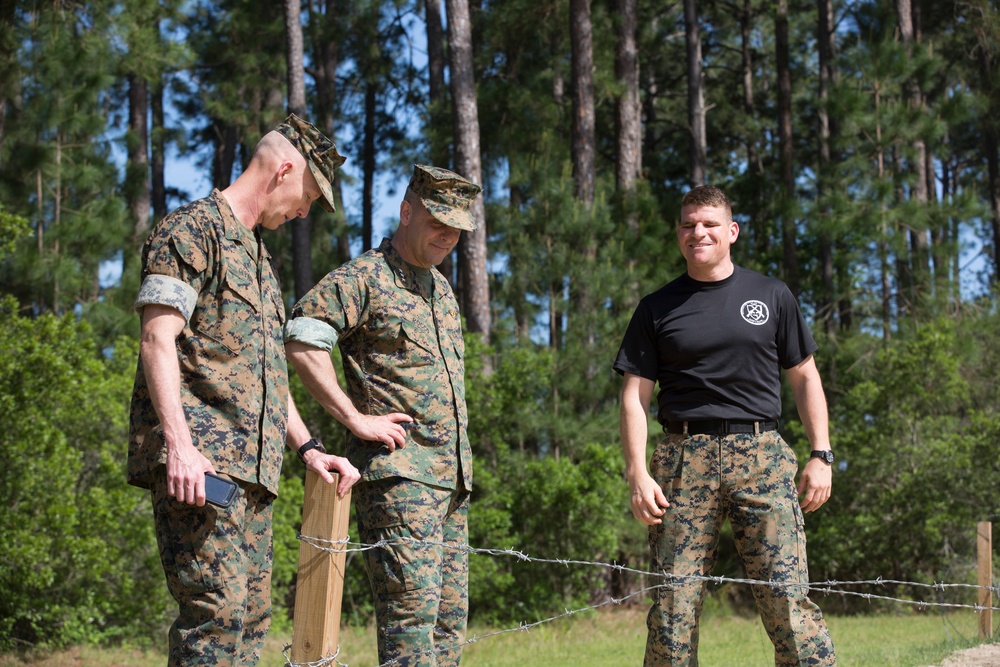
{"points": [[319, 586], [984, 530]]}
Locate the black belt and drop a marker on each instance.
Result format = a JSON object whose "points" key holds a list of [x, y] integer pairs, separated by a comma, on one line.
{"points": [[720, 427]]}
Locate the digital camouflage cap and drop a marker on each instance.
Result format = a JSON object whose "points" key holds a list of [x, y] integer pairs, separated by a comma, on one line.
{"points": [[320, 153], [447, 196]]}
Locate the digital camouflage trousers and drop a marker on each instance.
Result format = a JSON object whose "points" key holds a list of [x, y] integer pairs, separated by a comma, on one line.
{"points": [[218, 567], [750, 480], [421, 590]]}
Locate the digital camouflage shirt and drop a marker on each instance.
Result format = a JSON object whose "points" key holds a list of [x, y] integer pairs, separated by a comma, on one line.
{"points": [[234, 382], [400, 336]]}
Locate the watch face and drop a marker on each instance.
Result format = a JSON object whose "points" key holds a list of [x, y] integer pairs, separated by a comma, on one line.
{"points": [[826, 455]]}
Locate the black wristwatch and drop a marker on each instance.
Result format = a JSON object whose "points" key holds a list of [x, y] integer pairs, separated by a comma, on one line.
{"points": [[825, 454], [311, 444]]}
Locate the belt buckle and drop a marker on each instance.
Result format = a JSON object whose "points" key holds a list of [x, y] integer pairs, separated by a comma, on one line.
{"points": [[724, 426]]}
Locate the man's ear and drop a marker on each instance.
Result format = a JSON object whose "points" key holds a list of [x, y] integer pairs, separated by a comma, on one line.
{"points": [[284, 169], [404, 212]]}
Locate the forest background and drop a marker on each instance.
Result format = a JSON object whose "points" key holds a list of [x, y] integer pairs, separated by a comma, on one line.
{"points": [[857, 139]]}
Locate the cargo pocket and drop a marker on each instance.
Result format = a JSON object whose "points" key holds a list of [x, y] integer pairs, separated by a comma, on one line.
{"points": [[667, 465], [403, 560]]}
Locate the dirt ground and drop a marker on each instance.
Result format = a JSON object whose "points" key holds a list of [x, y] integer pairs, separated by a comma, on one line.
{"points": [[984, 655]]}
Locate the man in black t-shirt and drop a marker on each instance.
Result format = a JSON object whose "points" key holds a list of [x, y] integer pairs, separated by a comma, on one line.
{"points": [[715, 339]]}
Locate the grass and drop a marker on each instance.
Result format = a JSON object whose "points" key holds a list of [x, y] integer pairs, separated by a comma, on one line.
{"points": [[610, 639]]}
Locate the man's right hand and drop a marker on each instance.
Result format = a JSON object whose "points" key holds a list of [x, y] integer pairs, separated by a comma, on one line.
{"points": [[385, 429], [186, 468], [648, 501]]}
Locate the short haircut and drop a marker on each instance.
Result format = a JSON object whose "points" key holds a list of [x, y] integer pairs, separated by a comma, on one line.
{"points": [[707, 195], [273, 146]]}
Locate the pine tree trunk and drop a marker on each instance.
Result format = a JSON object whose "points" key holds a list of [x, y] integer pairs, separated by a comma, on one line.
{"points": [[698, 153], [918, 236], [368, 166], [438, 98], [584, 141], [754, 208], [158, 156], [472, 255], [991, 147], [789, 253], [8, 62], [326, 47], [224, 154], [584, 151], [302, 227], [628, 167], [137, 182], [824, 42], [438, 93]]}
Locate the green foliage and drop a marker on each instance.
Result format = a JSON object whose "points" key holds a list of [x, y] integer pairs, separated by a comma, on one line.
{"points": [[550, 509], [12, 228], [916, 434], [58, 170], [915, 403], [76, 543]]}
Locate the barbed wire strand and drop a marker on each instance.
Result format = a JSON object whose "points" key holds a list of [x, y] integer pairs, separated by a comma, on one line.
{"points": [[522, 627], [342, 546], [829, 587], [322, 662]]}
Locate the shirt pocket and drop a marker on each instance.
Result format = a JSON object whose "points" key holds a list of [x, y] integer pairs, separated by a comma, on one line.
{"points": [[404, 366], [231, 319]]}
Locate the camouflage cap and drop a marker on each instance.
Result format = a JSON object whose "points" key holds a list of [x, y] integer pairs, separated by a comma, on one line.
{"points": [[447, 196], [320, 153]]}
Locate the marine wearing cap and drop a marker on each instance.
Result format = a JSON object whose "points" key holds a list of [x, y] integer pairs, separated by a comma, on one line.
{"points": [[320, 153], [447, 196]]}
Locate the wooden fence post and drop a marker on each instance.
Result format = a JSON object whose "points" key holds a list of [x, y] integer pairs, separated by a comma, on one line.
{"points": [[320, 583], [984, 531]]}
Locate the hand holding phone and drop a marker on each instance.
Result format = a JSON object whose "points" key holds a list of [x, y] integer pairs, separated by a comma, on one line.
{"points": [[218, 491]]}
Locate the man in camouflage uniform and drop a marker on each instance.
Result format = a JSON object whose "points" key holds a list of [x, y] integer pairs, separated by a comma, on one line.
{"points": [[715, 339], [211, 394], [400, 335]]}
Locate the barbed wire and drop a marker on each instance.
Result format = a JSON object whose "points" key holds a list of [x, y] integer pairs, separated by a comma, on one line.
{"points": [[346, 546], [522, 627], [830, 587]]}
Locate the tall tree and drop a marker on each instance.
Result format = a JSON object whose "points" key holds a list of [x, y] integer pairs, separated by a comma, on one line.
{"points": [[436, 88], [138, 191], [326, 35], [472, 255], [584, 148], [8, 63], [628, 165], [917, 165], [368, 157], [825, 40], [698, 155], [986, 17], [789, 252], [302, 269], [437, 101]]}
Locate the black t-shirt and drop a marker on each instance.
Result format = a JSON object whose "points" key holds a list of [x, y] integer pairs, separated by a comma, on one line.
{"points": [[716, 348]]}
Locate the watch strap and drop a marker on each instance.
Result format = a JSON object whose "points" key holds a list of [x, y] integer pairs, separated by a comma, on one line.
{"points": [[824, 454], [311, 444]]}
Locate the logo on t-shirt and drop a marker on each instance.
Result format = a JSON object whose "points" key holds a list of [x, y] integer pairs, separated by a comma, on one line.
{"points": [[755, 312]]}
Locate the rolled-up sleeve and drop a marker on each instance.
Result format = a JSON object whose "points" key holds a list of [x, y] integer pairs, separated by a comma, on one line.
{"points": [[175, 259], [310, 331], [167, 291]]}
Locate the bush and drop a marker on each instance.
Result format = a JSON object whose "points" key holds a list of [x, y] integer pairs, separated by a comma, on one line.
{"points": [[76, 543]]}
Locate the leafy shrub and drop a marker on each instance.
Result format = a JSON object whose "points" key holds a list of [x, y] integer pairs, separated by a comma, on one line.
{"points": [[76, 543]]}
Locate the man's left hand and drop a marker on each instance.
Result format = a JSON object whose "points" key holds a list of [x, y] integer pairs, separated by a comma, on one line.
{"points": [[322, 464], [816, 481]]}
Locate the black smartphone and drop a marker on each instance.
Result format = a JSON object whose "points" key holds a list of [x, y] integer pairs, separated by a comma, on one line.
{"points": [[218, 491]]}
